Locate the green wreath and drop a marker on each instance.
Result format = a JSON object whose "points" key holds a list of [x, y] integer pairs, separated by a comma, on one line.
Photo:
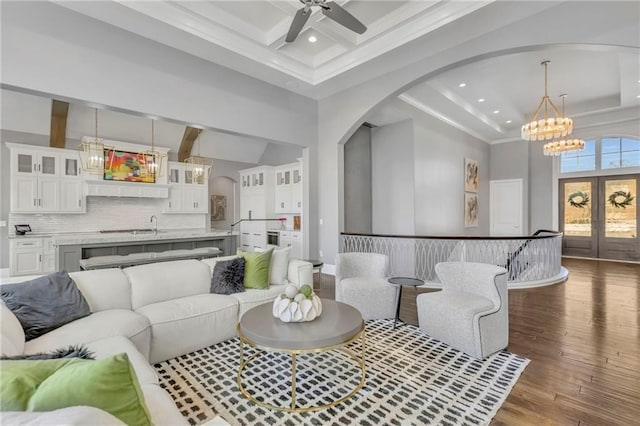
{"points": [[620, 199], [578, 199]]}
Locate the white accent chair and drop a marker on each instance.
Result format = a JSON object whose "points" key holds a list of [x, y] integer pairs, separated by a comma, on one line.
{"points": [[471, 313], [361, 281]]}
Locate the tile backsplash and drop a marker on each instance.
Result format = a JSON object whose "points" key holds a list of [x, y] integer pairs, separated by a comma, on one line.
{"points": [[105, 213]]}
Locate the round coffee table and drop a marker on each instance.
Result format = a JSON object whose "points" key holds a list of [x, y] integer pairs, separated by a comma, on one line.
{"points": [[339, 325]]}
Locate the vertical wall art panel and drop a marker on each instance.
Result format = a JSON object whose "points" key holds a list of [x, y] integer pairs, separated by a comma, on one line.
{"points": [[470, 210], [471, 182]]}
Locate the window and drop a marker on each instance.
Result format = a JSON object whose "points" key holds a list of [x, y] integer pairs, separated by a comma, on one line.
{"points": [[579, 161], [620, 152]]}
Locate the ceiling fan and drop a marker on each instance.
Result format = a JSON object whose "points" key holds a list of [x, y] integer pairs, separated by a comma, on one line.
{"points": [[331, 10]]}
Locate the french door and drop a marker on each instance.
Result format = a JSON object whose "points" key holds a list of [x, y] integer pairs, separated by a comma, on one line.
{"points": [[599, 216]]}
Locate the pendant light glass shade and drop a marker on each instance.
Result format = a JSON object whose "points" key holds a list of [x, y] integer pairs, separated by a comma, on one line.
{"points": [[154, 160], [93, 152], [199, 167]]}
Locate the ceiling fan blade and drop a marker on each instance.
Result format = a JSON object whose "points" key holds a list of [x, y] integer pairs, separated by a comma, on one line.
{"points": [[336, 12], [301, 18]]}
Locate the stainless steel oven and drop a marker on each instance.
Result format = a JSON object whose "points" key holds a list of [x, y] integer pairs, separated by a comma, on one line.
{"points": [[273, 238]]}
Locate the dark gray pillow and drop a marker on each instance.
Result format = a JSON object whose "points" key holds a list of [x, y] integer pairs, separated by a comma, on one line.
{"points": [[73, 351], [45, 303], [228, 277]]}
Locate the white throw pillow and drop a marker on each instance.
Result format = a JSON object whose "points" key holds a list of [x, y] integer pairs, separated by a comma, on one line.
{"points": [[279, 266]]}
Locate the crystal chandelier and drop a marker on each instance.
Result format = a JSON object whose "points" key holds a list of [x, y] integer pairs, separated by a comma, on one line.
{"points": [[564, 145], [154, 159], [546, 128], [93, 152], [200, 167]]}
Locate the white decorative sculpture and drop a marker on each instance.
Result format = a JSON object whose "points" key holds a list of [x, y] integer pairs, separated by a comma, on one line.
{"points": [[297, 305]]}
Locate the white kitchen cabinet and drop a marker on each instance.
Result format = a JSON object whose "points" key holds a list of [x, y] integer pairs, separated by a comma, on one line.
{"points": [[292, 239], [31, 256], [186, 194], [38, 177], [256, 202], [288, 188]]}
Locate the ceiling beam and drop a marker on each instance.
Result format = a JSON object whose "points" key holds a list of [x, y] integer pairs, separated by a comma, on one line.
{"points": [[58, 134], [190, 135]]}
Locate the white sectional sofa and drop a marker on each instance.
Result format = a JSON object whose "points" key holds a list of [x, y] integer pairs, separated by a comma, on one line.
{"points": [[152, 312]]}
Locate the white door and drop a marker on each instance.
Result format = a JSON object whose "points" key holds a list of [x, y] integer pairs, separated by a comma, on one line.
{"points": [[24, 194], [48, 194], [506, 207], [71, 196]]}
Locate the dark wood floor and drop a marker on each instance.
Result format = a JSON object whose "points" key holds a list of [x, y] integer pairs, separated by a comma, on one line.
{"points": [[583, 340]]}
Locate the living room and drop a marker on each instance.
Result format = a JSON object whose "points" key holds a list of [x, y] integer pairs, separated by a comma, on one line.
{"points": [[92, 56]]}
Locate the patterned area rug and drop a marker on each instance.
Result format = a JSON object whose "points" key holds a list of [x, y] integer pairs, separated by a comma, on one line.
{"points": [[411, 379]]}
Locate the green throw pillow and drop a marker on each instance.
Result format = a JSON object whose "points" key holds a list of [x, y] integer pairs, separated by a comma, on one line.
{"points": [[109, 384], [256, 268]]}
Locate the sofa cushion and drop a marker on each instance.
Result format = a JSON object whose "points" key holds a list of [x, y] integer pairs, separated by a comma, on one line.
{"points": [[279, 266], [183, 325], [110, 346], [104, 288], [109, 384], [228, 277], [157, 282], [12, 335], [45, 303], [115, 322], [256, 268], [70, 416], [255, 297]]}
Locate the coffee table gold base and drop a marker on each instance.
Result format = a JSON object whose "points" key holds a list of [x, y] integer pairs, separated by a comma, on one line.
{"points": [[360, 360]]}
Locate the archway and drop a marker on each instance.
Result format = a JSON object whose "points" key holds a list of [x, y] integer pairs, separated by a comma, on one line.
{"points": [[222, 190]]}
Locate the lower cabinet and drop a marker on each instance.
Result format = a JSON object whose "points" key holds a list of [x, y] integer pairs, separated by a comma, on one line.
{"points": [[32, 256], [292, 239]]}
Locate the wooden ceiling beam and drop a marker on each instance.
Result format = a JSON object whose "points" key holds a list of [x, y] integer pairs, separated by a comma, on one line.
{"points": [[190, 135], [58, 135]]}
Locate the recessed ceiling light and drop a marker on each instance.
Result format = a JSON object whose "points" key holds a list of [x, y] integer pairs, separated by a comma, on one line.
{"points": [[312, 39], [496, 111], [462, 84], [481, 100], [508, 121]]}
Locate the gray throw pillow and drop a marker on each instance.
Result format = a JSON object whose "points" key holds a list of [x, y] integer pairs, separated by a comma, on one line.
{"points": [[45, 303], [72, 351], [228, 276]]}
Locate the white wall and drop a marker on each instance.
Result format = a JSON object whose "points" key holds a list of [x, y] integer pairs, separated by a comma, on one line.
{"points": [[392, 179], [357, 182], [440, 151]]}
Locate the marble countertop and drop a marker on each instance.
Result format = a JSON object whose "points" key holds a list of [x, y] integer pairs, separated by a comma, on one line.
{"points": [[116, 237]]}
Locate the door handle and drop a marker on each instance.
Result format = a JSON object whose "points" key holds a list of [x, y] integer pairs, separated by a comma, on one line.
{"points": [[39, 201], [79, 203], [40, 258], [34, 167], [34, 202]]}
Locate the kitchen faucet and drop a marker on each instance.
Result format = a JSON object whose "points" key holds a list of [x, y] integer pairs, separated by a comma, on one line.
{"points": [[154, 220]]}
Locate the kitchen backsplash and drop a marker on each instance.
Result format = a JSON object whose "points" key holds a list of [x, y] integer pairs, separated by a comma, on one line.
{"points": [[105, 213]]}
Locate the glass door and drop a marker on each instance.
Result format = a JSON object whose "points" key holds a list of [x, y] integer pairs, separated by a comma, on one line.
{"points": [[578, 217], [599, 217], [618, 207]]}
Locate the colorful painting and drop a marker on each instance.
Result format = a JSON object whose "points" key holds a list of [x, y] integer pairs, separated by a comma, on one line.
{"points": [[470, 210], [218, 207], [126, 166], [470, 175]]}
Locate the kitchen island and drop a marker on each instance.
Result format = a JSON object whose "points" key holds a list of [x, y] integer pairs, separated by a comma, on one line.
{"points": [[71, 248]]}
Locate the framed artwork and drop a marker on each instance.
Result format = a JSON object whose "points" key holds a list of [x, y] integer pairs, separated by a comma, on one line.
{"points": [[470, 210], [470, 175], [218, 207], [126, 166]]}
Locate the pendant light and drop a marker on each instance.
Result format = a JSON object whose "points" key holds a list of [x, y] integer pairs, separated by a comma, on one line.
{"points": [[200, 167], [546, 127], [154, 159], [93, 152], [557, 147]]}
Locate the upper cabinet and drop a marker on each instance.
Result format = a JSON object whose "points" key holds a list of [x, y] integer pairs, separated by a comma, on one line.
{"points": [[45, 180], [187, 193], [288, 188]]}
